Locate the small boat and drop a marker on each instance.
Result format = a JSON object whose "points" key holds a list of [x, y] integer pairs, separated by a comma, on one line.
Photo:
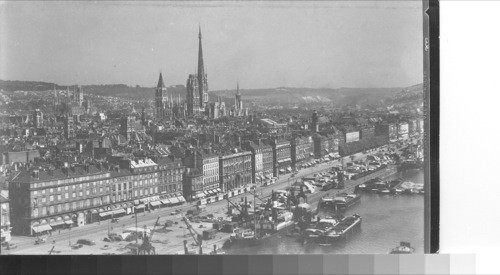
{"points": [[361, 187], [403, 248], [384, 191]]}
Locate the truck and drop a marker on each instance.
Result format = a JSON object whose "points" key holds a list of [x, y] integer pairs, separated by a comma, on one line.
{"points": [[196, 211]]}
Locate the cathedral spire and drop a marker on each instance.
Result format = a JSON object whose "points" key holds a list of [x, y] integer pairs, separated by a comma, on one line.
{"points": [[160, 82], [238, 87], [201, 69]]}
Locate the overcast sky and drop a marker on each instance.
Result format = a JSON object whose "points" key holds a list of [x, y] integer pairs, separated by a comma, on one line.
{"points": [[264, 45]]}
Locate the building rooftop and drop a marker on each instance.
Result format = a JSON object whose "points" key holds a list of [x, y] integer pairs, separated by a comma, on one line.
{"points": [[142, 163]]}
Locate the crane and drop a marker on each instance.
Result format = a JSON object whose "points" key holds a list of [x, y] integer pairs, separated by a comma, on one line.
{"points": [[146, 246], [243, 210], [198, 239], [154, 227]]}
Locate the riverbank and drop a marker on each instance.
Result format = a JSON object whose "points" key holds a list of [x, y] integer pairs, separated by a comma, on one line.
{"points": [[387, 220]]}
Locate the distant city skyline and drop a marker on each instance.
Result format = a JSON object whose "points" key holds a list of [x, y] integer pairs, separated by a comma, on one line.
{"points": [[262, 45]]}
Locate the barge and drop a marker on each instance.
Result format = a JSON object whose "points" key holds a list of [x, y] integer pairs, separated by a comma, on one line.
{"points": [[320, 227], [259, 236], [341, 231], [345, 200]]}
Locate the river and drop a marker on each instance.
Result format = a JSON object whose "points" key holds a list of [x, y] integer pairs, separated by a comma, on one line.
{"points": [[387, 220]]}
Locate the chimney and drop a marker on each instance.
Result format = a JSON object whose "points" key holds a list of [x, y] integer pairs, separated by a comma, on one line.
{"points": [[35, 174]]}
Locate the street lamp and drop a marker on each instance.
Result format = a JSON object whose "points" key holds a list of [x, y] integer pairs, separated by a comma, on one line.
{"points": [[69, 238]]}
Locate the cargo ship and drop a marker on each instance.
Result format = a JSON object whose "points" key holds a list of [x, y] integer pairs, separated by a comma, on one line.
{"points": [[268, 226], [341, 231]]}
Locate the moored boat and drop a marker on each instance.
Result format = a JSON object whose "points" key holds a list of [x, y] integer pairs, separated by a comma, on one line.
{"points": [[341, 231], [403, 248], [345, 200], [384, 191], [320, 227]]}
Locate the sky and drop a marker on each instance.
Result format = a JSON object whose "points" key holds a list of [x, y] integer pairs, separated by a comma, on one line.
{"points": [[360, 44]]}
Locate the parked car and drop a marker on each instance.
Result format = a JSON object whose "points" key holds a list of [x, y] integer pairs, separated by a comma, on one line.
{"points": [[85, 242], [41, 240]]}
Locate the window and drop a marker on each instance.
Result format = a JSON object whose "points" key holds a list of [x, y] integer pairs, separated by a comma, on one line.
{"points": [[59, 197], [66, 195], [58, 189], [66, 188], [43, 191], [100, 189], [59, 207], [35, 193], [73, 195], [66, 206], [51, 198], [44, 199], [44, 210], [74, 205], [51, 190], [87, 192]]}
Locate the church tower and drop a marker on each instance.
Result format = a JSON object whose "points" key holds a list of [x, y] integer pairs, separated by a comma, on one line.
{"points": [[160, 98], [239, 103], [192, 97], [79, 96]]}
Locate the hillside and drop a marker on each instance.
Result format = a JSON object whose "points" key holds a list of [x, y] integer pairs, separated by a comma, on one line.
{"points": [[341, 96], [337, 97]]}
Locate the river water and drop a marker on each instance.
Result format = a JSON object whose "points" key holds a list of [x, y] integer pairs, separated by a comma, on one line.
{"points": [[387, 220]]}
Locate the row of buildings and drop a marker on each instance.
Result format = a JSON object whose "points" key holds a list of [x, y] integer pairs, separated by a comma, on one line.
{"points": [[74, 194]]}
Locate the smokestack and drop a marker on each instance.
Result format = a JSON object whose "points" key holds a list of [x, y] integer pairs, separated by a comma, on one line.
{"points": [[35, 174]]}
